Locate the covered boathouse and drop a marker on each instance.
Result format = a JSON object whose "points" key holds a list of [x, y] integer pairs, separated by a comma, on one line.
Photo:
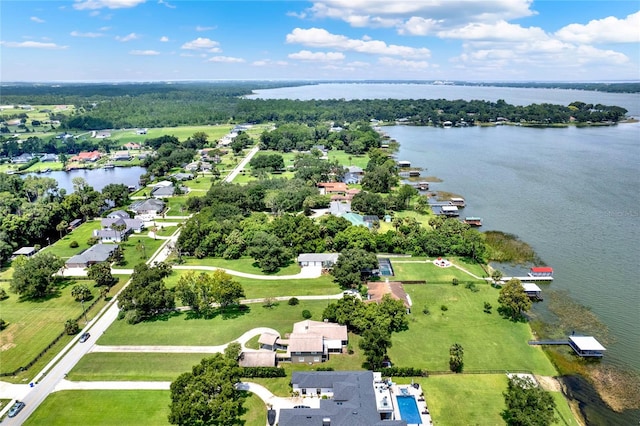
{"points": [[541, 271], [586, 346]]}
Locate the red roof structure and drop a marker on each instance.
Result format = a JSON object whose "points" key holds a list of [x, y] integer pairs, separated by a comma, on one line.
{"points": [[546, 269]]}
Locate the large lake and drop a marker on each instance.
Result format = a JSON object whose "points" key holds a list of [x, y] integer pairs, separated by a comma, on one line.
{"points": [[97, 178], [573, 194]]}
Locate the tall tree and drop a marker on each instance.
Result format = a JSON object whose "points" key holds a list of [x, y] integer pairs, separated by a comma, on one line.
{"points": [[101, 274], [456, 358], [374, 344], [35, 276], [80, 292], [528, 404], [146, 295], [208, 394], [352, 266], [513, 300], [268, 251]]}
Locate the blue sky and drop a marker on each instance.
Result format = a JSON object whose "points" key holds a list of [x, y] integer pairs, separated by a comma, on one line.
{"points": [[476, 40]]}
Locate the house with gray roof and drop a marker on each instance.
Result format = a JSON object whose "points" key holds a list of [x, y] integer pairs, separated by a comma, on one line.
{"points": [[95, 254], [324, 260], [116, 229], [347, 398], [148, 208]]}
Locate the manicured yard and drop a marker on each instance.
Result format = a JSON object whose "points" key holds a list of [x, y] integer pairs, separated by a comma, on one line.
{"points": [[138, 249], [109, 366], [81, 234], [32, 325], [103, 407], [184, 329], [490, 342], [244, 264], [182, 133], [200, 184], [349, 159], [255, 288], [434, 274], [476, 399]]}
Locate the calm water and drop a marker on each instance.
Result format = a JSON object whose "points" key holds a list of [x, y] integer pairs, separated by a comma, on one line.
{"points": [[571, 193], [514, 96], [97, 178]]}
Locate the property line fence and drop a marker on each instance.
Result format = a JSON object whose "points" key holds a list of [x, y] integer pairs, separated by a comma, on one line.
{"points": [[45, 350]]}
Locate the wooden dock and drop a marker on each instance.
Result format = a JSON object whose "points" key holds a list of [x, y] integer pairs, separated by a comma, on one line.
{"points": [[548, 342], [527, 278]]}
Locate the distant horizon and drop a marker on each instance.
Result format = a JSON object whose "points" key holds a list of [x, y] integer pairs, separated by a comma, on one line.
{"points": [[319, 40]]}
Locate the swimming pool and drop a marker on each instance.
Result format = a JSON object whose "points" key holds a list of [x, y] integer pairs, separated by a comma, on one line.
{"points": [[409, 410]]}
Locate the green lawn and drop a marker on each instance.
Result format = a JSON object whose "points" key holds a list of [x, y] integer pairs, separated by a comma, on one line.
{"points": [[81, 234], [103, 407], [182, 133], [138, 249], [255, 288], [109, 366], [200, 184], [244, 264], [434, 274], [32, 325], [349, 159], [476, 399], [183, 329], [490, 342]]}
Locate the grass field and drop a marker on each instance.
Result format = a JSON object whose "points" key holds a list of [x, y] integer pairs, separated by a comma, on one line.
{"points": [[244, 264], [32, 325], [255, 288], [434, 274], [182, 133], [184, 329], [103, 407], [81, 234], [130, 407], [475, 399], [135, 254], [490, 342], [348, 159]]}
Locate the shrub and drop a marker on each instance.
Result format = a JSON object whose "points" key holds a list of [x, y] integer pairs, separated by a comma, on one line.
{"points": [[487, 307], [71, 327], [3, 324], [472, 287], [426, 310], [444, 308], [403, 372], [74, 244], [455, 281], [293, 301], [324, 369], [265, 372], [92, 241], [306, 314], [132, 317], [3, 294]]}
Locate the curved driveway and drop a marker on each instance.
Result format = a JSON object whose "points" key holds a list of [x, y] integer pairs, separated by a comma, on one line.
{"points": [[306, 272]]}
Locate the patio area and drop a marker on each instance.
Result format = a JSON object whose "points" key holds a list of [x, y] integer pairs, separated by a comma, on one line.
{"points": [[404, 393]]}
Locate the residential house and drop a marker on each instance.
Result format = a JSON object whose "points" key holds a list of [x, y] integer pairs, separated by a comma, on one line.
{"points": [[95, 254], [147, 209], [329, 188], [334, 336], [74, 224], [85, 156], [131, 145], [163, 191], [102, 134], [257, 359], [324, 260], [141, 131], [22, 158], [376, 290], [345, 398], [121, 156], [353, 175], [182, 176], [49, 158], [199, 166], [24, 251], [125, 226]]}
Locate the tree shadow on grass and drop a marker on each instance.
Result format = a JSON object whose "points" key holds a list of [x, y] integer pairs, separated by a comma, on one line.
{"points": [[232, 312], [165, 316]]}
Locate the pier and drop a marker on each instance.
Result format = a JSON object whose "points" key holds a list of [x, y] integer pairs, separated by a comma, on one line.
{"points": [[527, 278], [584, 346]]}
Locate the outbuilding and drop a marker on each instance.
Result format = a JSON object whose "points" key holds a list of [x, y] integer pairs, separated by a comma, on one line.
{"points": [[586, 346]]}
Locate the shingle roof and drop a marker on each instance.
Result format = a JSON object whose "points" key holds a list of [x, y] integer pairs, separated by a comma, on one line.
{"points": [[94, 254]]}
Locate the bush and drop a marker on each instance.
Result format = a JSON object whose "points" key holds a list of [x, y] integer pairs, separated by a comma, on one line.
{"points": [[455, 281], [3, 294], [71, 327], [264, 372], [444, 308], [3, 324], [132, 317], [472, 287], [426, 310], [324, 369], [487, 307], [403, 372], [93, 241], [306, 314], [74, 244], [293, 301]]}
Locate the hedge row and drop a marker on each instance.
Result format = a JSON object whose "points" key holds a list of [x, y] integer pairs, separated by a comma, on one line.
{"points": [[403, 372], [264, 372]]}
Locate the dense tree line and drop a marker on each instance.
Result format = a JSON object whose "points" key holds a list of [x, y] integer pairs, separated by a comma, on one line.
{"points": [[162, 105]]}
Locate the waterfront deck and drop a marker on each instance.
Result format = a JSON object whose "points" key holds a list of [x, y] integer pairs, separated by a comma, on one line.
{"points": [[527, 278]]}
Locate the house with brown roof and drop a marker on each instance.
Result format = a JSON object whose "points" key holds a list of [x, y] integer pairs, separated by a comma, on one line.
{"points": [[332, 188], [377, 290], [85, 156], [131, 145]]}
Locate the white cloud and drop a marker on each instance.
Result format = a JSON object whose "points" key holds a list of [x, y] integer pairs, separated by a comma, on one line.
{"points": [[225, 59], [109, 4], [144, 52], [201, 28], [104, 28], [299, 15], [610, 29], [418, 26], [500, 30], [269, 62], [164, 39], [32, 45], [128, 37], [399, 13], [403, 63], [306, 55], [170, 6], [202, 43], [86, 35], [37, 20], [321, 38]]}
